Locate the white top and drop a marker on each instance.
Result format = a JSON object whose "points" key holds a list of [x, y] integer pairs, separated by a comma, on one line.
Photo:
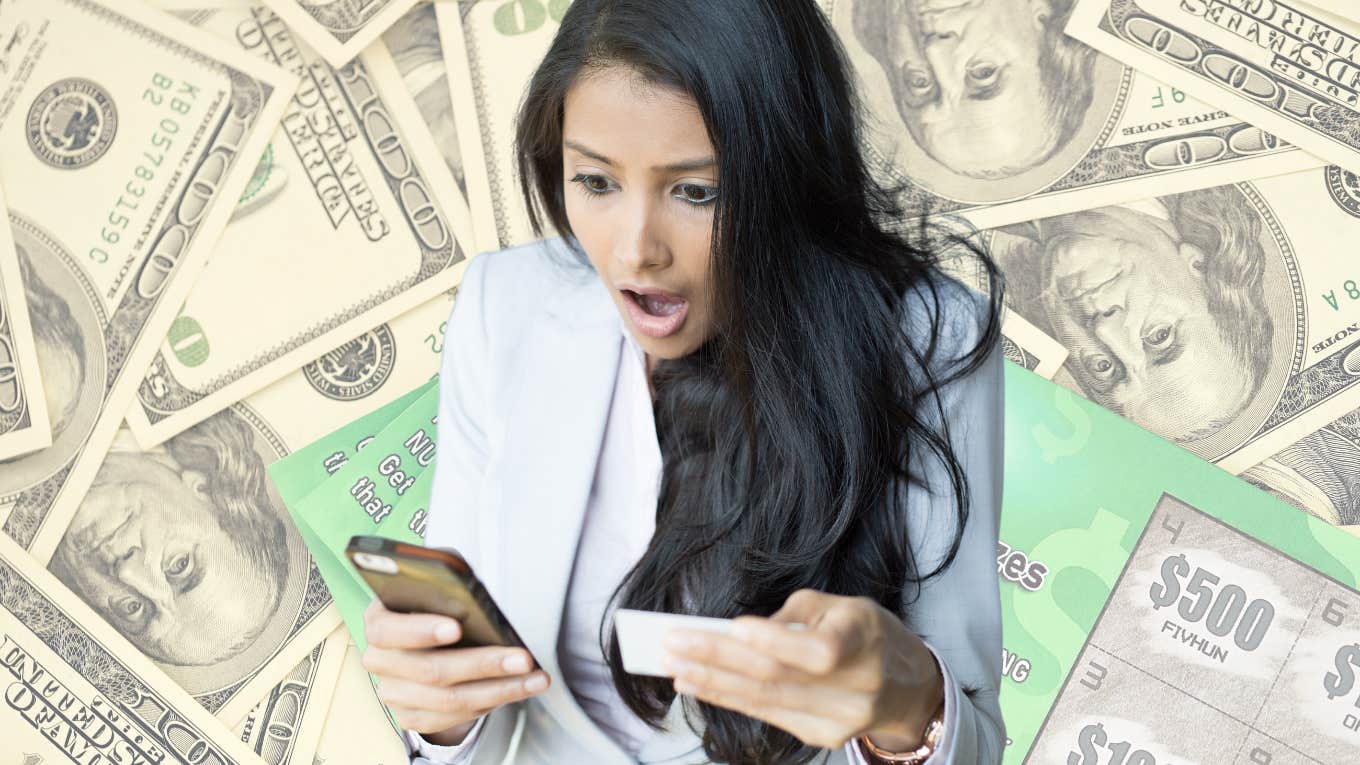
{"points": [[619, 522]]}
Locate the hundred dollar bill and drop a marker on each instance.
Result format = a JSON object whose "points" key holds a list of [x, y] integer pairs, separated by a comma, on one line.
{"points": [[493, 51], [956, 242], [987, 110], [200, 510], [1172, 613], [352, 198], [24, 425], [76, 691], [1023, 344], [285, 727], [339, 29], [358, 727], [1345, 9], [1318, 473], [153, 152], [418, 53], [1275, 63], [194, 5], [1221, 319]]}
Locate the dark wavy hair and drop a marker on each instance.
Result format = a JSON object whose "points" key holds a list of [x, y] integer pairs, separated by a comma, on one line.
{"points": [[784, 434]]}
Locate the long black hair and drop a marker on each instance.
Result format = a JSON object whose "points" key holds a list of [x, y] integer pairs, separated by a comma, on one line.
{"points": [[784, 435]]}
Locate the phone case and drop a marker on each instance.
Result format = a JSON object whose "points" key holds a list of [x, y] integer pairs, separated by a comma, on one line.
{"points": [[435, 581]]}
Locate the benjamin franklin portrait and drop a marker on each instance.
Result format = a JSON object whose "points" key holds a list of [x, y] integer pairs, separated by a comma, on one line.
{"points": [[988, 88], [1160, 304], [183, 549], [69, 346], [59, 341]]}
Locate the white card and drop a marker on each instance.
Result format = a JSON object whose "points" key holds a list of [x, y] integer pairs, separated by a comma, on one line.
{"points": [[641, 632]]}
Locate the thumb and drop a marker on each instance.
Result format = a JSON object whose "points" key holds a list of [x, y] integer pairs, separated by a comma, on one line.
{"points": [[806, 606]]}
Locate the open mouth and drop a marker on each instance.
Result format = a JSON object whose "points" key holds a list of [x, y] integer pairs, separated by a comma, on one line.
{"points": [[656, 314], [658, 305]]}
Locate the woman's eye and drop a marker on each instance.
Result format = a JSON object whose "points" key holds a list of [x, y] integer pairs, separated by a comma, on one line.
{"points": [[983, 74], [1160, 337], [696, 194], [593, 185]]}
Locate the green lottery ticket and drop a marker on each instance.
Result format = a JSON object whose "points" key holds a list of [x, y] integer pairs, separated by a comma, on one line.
{"points": [[301, 473], [362, 497], [1159, 610], [296, 475]]}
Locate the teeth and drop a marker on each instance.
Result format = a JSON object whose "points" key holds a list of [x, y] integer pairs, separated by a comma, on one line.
{"points": [[657, 307]]}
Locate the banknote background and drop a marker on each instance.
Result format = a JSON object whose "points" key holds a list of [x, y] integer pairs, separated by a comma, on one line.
{"points": [[1169, 186]]}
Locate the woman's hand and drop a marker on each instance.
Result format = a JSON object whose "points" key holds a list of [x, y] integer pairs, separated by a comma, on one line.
{"points": [[439, 692], [856, 670]]}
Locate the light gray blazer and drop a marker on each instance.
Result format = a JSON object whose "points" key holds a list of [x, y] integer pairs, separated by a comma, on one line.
{"points": [[531, 350]]}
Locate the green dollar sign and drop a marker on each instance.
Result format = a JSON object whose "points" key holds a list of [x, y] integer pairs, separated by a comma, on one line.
{"points": [[557, 9], [1048, 615], [519, 17], [1054, 446]]}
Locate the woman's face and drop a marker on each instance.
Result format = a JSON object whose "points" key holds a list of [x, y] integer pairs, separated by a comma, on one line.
{"points": [[640, 181]]}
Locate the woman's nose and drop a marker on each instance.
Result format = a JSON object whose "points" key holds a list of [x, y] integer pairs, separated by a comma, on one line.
{"points": [[641, 244]]}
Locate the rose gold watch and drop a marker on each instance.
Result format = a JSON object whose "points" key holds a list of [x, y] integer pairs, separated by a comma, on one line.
{"points": [[931, 736]]}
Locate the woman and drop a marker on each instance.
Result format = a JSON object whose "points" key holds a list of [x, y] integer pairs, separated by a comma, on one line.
{"points": [[821, 442]]}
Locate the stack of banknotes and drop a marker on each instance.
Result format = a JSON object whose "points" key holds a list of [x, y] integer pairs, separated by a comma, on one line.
{"points": [[235, 228]]}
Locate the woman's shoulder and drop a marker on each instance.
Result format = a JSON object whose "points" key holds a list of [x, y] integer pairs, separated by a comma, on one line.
{"points": [[945, 319], [514, 285]]}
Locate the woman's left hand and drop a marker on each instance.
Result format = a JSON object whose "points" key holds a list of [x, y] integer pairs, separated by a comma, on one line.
{"points": [[856, 670]]}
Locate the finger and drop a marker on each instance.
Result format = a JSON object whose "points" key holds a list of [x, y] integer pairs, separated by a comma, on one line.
{"points": [[492, 693], [817, 724], [461, 702], [840, 634], [805, 606], [736, 688], [812, 651], [447, 666], [727, 652], [450, 703], [389, 629]]}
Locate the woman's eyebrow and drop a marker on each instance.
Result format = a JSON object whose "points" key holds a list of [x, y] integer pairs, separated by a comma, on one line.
{"points": [[689, 164]]}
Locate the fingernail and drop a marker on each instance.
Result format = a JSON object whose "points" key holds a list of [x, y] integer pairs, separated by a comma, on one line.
{"points": [[515, 663], [536, 683], [446, 632]]}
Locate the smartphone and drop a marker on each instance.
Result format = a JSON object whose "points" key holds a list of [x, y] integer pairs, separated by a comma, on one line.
{"points": [[414, 579]]}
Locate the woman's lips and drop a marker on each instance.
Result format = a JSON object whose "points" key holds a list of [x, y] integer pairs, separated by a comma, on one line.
{"points": [[655, 313]]}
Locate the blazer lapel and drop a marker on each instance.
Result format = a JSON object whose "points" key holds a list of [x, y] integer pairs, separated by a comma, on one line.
{"points": [[564, 390]]}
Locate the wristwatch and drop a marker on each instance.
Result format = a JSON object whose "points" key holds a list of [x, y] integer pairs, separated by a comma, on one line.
{"points": [[934, 729]]}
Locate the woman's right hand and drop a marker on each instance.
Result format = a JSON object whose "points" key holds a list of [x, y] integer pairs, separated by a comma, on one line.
{"points": [[437, 690]]}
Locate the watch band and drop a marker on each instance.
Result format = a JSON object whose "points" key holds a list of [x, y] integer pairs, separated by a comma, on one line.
{"points": [[920, 754]]}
